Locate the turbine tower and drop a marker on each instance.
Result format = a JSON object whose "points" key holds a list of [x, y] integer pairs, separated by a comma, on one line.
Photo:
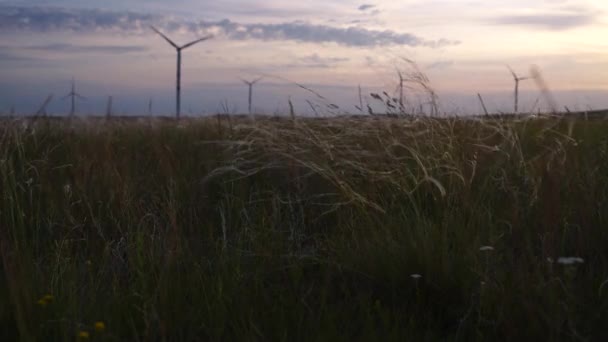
{"points": [[73, 94], [517, 80], [251, 84], [179, 65]]}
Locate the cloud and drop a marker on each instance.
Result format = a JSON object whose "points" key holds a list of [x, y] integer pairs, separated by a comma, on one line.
{"points": [[550, 22], [16, 59], [565, 19], [61, 19], [316, 61], [6, 56], [440, 65], [366, 7], [370, 61], [103, 49], [308, 33], [57, 18]]}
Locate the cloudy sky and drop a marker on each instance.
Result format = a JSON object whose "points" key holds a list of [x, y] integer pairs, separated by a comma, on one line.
{"points": [[330, 47]]}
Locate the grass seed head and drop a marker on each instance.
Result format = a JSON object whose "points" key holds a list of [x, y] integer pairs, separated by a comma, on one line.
{"points": [[570, 260]]}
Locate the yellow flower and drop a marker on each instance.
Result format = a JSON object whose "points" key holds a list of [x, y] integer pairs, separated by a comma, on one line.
{"points": [[83, 335], [100, 326], [45, 300]]}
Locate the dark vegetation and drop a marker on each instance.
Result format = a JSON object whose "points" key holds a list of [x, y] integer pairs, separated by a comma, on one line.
{"points": [[341, 229]]}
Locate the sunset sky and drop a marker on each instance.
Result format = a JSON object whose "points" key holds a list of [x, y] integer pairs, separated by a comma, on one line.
{"points": [[331, 46]]}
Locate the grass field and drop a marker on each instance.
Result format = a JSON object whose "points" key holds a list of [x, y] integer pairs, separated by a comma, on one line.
{"points": [[334, 229]]}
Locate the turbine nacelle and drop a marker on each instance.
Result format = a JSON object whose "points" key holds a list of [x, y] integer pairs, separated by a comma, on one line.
{"points": [[251, 83], [177, 47]]}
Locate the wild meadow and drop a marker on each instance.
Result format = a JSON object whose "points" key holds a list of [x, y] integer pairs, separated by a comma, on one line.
{"points": [[368, 228]]}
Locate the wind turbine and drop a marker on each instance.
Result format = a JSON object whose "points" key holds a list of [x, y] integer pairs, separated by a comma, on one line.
{"points": [[251, 84], [109, 107], [401, 98], [179, 65], [73, 94], [517, 79]]}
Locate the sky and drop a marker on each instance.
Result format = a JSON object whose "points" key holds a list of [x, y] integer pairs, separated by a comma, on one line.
{"points": [[312, 53]]}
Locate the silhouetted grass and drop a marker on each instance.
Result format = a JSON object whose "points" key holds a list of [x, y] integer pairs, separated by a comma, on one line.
{"points": [[304, 229]]}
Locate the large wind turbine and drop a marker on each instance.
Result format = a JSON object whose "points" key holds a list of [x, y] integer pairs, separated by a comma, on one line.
{"points": [[73, 94], [251, 84], [517, 79], [179, 65]]}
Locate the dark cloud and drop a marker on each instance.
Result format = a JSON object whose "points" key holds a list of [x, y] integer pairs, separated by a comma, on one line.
{"points": [[558, 21], [99, 49], [369, 9], [366, 7], [308, 33], [61, 19], [57, 18]]}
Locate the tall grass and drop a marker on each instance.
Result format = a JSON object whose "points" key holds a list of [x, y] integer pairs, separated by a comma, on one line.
{"points": [[305, 229]]}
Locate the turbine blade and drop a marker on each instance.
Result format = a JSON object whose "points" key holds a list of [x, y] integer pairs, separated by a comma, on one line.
{"points": [[195, 42], [165, 37], [512, 72], [80, 96], [48, 100], [257, 80]]}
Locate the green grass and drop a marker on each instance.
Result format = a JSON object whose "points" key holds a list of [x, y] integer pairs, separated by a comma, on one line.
{"points": [[304, 230]]}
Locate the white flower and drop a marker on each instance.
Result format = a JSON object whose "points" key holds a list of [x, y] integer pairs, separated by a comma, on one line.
{"points": [[416, 276], [67, 189], [486, 249], [570, 260]]}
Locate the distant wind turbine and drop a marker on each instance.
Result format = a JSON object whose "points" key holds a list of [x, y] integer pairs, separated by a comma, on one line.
{"points": [[109, 107], [73, 94], [179, 65], [401, 98], [517, 79], [251, 84]]}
